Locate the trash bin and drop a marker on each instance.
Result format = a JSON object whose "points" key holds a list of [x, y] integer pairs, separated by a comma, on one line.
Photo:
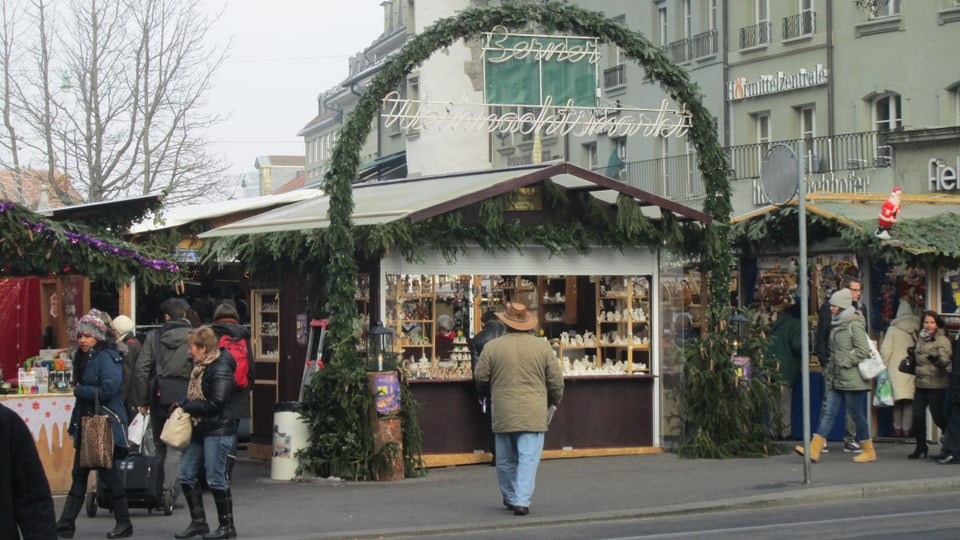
{"points": [[290, 434]]}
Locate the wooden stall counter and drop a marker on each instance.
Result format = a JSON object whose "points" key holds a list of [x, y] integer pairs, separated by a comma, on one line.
{"points": [[47, 416]]}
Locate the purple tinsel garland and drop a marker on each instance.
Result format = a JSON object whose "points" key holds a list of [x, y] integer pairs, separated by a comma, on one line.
{"points": [[75, 238]]}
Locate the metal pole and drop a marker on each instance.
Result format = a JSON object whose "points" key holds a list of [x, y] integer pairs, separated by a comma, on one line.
{"points": [[804, 315]]}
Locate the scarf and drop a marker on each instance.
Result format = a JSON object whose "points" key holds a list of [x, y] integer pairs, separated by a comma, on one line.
{"points": [[195, 388], [926, 336], [843, 315]]}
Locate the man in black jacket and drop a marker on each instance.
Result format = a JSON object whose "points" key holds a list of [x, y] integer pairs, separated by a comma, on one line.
{"points": [[492, 329], [160, 379], [25, 499], [821, 347]]}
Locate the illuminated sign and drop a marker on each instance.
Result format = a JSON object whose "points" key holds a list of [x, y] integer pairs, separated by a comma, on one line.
{"points": [[740, 88]]}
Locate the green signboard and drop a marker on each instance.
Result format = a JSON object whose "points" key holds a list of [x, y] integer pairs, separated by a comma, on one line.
{"points": [[524, 69]]}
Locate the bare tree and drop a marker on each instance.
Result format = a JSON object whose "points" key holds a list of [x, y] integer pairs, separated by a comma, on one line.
{"points": [[128, 118], [8, 142]]}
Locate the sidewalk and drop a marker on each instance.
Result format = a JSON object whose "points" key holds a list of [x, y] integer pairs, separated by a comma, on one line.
{"points": [[568, 490]]}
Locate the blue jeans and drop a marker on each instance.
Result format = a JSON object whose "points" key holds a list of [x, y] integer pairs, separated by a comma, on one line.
{"points": [[210, 452], [853, 400], [518, 456]]}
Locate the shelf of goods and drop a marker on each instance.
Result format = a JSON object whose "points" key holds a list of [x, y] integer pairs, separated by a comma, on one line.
{"points": [[265, 341], [362, 297], [411, 303]]}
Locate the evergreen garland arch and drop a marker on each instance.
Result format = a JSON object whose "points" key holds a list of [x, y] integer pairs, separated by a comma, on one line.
{"points": [[559, 18]]}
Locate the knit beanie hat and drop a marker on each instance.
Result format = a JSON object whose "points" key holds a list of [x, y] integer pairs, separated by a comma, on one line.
{"points": [[842, 299], [92, 323], [122, 324]]}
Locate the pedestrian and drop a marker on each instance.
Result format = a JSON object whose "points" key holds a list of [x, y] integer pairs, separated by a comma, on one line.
{"points": [[160, 379], [933, 354], [900, 337], [492, 329], [208, 402], [848, 347], [526, 384], [129, 346], [226, 322], [445, 336], [785, 347], [98, 374], [25, 500], [821, 348], [951, 436]]}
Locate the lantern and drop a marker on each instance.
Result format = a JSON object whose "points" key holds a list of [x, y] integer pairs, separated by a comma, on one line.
{"points": [[379, 343], [738, 329]]}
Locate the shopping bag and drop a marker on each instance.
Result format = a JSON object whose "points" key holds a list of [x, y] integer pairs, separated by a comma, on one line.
{"points": [[883, 394], [873, 364], [177, 430], [136, 429]]}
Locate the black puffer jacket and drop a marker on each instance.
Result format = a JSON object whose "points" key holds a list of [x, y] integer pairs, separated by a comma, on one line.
{"points": [[214, 411], [241, 396]]}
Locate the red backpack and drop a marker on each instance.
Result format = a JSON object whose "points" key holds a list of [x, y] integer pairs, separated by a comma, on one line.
{"points": [[237, 347]]}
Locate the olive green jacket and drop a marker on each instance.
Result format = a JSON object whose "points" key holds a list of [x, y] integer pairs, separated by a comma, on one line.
{"points": [[848, 347]]}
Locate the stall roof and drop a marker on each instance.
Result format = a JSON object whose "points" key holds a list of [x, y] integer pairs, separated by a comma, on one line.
{"points": [[81, 211], [418, 199], [921, 233], [182, 215]]}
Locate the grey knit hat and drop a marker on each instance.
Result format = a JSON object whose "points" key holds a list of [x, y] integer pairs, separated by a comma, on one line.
{"points": [[92, 324]]}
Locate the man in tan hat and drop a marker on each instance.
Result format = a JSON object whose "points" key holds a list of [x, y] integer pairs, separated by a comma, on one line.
{"points": [[525, 380]]}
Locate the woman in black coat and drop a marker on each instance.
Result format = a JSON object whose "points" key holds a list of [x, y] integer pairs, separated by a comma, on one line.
{"points": [[98, 374], [208, 402]]}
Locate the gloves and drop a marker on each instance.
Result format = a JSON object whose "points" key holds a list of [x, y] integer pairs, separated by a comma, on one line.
{"points": [[933, 358]]}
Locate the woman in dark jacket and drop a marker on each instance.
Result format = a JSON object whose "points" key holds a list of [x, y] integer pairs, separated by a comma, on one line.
{"points": [[98, 374], [226, 322], [933, 356], [208, 402]]}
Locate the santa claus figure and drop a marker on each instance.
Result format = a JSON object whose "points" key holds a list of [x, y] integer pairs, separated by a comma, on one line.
{"points": [[888, 214]]}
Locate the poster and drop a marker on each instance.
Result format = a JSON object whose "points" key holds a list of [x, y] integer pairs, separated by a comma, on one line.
{"points": [[387, 385]]}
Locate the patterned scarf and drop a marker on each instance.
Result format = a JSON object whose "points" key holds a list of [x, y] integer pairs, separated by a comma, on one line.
{"points": [[195, 389]]}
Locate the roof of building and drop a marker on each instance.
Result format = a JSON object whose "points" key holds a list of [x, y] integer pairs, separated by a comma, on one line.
{"points": [[296, 183], [35, 195], [417, 199], [279, 161]]}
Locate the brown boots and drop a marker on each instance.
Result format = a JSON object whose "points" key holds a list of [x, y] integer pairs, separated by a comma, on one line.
{"points": [[868, 455], [816, 446]]}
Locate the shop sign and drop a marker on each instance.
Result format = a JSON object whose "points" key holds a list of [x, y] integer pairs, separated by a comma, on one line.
{"points": [[740, 88], [526, 199], [941, 177], [829, 182], [547, 119]]}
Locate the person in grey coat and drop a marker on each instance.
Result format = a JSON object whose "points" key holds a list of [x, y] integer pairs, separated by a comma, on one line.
{"points": [[848, 347], [933, 354], [526, 382]]}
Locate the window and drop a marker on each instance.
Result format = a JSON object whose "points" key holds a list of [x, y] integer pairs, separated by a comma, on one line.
{"points": [[590, 151], [687, 20], [762, 12], [662, 22], [808, 123], [714, 20], [885, 8], [621, 146], [887, 112], [762, 123]]}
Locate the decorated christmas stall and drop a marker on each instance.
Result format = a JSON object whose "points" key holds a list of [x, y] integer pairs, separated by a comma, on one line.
{"points": [[48, 265]]}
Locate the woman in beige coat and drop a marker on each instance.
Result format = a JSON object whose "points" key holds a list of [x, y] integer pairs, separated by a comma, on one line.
{"points": [[901, 334]]}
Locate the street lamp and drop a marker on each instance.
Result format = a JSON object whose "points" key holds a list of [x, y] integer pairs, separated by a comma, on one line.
{"points": [[738, 327], [379, 343]]}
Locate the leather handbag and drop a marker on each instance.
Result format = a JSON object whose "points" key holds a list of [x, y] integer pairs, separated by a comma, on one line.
{"points": [[873, 365], [908, 365], [177, 430], [96, 440]]}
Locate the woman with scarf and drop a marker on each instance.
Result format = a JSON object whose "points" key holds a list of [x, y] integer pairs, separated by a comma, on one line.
{"points": [[98, 374], [208, 402], [848, 347], [933, 356]]}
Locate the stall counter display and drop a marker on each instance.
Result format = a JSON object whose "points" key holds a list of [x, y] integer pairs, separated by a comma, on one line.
{"points": [[47, 416], [265, 341]]}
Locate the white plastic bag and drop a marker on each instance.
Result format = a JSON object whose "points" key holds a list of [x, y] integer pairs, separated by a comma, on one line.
{"points": [[873, 364], [136, 429]]}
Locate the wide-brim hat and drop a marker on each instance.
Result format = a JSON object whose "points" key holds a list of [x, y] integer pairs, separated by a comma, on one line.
{"points": [[517, 317]]}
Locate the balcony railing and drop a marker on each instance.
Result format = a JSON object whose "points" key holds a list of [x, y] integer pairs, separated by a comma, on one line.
{"points": [[679, 51], [801, 24], [752, 36], [679, 177], [615, 76], [705, 44]]}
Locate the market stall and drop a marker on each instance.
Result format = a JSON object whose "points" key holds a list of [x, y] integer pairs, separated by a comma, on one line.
{"points": [[47, 416]]}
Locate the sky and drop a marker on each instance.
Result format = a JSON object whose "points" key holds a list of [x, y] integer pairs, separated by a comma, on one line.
{"points": [[282, 55]]}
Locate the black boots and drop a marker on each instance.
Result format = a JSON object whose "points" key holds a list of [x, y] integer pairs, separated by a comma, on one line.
{"points": [[229, 472], [198, 519], [121, 512], [71, 509], [919, 450], [224, 501]]}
